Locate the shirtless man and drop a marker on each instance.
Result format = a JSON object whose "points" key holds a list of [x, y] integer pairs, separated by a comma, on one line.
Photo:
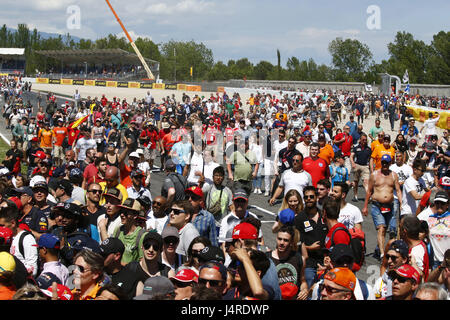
{"points": [[382, 183]]}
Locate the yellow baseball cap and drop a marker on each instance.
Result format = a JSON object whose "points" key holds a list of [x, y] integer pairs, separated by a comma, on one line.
{"points": [[7, 262]]}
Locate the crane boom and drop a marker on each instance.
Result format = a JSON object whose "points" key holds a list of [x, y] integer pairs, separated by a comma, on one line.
{"points": [[133, 45]]}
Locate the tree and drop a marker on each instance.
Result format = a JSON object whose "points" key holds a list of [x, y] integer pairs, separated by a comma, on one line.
{"points": [[218, 72], [407, 53], [278, 64], [351, 58], [438, 70], [262, 70]]}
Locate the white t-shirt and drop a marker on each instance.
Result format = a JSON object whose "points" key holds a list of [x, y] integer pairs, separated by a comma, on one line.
{"points": [[430, 126], [409, 204], [30, 256], [156, 223], [425, 214], [295, 180], [403, 172], [350, 215]]}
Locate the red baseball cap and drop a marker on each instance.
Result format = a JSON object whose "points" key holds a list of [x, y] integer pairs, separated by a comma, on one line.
{"points": [[195, 190], [245, 230], [17, 202], [407, 271], [40, 154], [186, 275], [288, 290], [62, 292], [6, 234]]}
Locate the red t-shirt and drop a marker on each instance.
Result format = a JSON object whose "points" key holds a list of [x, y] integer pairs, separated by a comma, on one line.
{"points": [[90, 172], [318, 169], [339, 237], [345, 146], [73, 135]]}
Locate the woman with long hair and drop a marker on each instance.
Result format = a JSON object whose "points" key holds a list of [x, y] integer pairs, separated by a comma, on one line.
{"points": [[292, 200], [197, 245]]}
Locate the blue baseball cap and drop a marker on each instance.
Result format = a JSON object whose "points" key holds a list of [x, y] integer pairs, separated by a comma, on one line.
{"points": [[286, 216], [48, 240], [307, 133], [386, 157]]}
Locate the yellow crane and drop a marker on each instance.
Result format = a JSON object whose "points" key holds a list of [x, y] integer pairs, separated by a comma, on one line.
{"points": [[138, 53]]}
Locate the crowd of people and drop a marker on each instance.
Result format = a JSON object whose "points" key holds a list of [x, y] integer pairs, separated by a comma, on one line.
{"points": [[81, 218]]}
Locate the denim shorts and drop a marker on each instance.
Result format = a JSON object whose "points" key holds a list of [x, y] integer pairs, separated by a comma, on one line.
{"points": [[383, 218]]}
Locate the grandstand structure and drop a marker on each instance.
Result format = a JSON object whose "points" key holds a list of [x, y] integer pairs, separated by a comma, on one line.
{"points": [[12, 61], [98, 64]]}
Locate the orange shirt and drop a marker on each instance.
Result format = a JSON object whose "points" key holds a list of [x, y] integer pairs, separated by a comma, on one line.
{"points": [[326, 153], [379, 152], [60, 133], [46, 137], [375, 144], [6, 293]]}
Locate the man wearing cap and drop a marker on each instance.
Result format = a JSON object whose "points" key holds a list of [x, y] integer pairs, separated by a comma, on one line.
{"points": [[30, 215], [382, 184], [240, 201], [108, 222], [321, 130], [49, 246], [202, 220], [157, 288], [122, 276], [63, 191], [42, 199], [60, 133], [71, 230], [171, 238], [131, 135], [130, 233], [338, 284], [396, 255], [438, 218], [184, 282], [213, 275], [137, 189], [405, 280]]}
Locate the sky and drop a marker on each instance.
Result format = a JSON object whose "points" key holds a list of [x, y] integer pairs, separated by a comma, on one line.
{"points": [[235, 29]]}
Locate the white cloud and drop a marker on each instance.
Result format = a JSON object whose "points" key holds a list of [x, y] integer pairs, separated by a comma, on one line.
{"points": [[133, 35], [181, 7]]}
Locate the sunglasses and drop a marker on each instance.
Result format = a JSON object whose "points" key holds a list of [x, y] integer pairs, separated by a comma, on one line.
{"points": [[296, 160], [171, 240], [177, 211], [194, 197], [400, 279], [330, 290], [309, 196], [82, 269], [196, 252], [32, 294], [95, 191], [157, 203], [155, 246], [212, 283], [393, 258]]}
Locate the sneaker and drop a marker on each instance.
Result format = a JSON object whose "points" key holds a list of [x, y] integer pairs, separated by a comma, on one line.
{"points": [[259, 191], [266, 193], [255, 191]]}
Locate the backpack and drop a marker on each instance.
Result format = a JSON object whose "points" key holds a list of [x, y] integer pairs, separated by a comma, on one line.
{"points": [[357, 243], [138, 238]]}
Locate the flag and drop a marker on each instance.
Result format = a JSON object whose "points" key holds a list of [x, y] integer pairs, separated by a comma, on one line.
{"points": [[77, 122], [192, 69], [407, 89], [406, 77]]}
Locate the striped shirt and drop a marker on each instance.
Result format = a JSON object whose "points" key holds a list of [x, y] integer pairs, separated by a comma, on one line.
{"points": [[205, 223]]}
